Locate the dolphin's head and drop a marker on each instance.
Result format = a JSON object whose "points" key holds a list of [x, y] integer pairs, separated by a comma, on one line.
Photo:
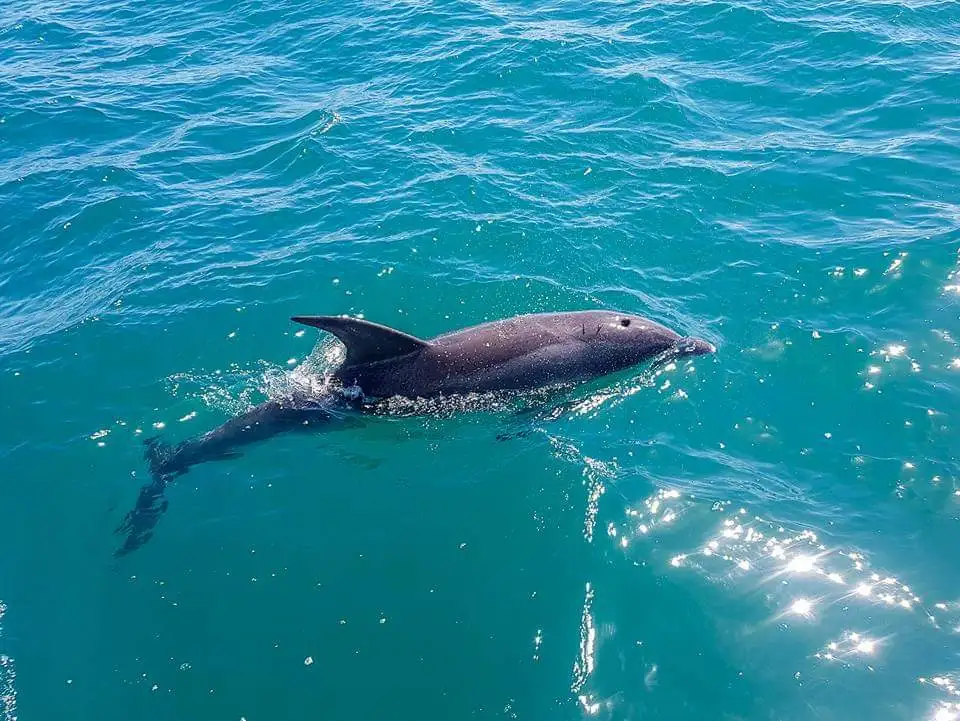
{"points": [[620, 340]]}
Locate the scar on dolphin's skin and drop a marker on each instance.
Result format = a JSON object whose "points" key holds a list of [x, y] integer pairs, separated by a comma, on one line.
{"points": [[525, 352]]}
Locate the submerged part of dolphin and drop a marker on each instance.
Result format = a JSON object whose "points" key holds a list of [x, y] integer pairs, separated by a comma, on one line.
{"points": [[515, 354]]}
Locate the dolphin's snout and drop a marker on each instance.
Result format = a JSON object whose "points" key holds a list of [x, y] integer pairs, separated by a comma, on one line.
{"points": [[695, 346]]}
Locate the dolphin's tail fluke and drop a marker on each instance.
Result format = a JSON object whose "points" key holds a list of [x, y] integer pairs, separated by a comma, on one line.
{"points": [[167, 461], [151, 504]]}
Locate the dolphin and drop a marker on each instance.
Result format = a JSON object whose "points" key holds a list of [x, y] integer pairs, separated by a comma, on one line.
{"points": [[522, 353]]}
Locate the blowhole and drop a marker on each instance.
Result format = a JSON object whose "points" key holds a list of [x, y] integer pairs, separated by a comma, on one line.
{"points": [[625, 322]]}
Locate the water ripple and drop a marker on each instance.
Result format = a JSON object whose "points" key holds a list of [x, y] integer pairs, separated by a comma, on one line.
{"points": [[177, 179]]}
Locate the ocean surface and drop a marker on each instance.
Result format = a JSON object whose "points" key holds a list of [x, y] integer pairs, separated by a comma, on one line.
{"points": [[768, 533]]}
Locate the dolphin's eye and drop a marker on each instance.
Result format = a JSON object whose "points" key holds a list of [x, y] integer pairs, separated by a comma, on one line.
{"points": [[625, 322]]}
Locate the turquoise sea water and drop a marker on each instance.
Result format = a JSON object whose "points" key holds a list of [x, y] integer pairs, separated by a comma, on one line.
{"points": [[768, 533]]}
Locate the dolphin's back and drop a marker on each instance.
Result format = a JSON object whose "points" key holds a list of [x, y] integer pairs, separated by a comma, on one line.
{"points": [[517, 353], [511, 354]]}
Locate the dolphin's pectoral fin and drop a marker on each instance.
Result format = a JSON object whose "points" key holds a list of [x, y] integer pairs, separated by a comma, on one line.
{"points": [[366, 342]]}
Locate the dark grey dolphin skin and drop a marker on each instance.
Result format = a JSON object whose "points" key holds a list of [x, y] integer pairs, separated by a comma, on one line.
{"points": [[515, 354]]}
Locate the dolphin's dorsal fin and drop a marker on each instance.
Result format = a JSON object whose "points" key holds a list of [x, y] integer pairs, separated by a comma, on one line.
{"points": [[366, 342]]}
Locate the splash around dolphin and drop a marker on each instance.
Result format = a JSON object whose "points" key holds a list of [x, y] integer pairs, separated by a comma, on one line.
{"points": [[521, 353]]}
